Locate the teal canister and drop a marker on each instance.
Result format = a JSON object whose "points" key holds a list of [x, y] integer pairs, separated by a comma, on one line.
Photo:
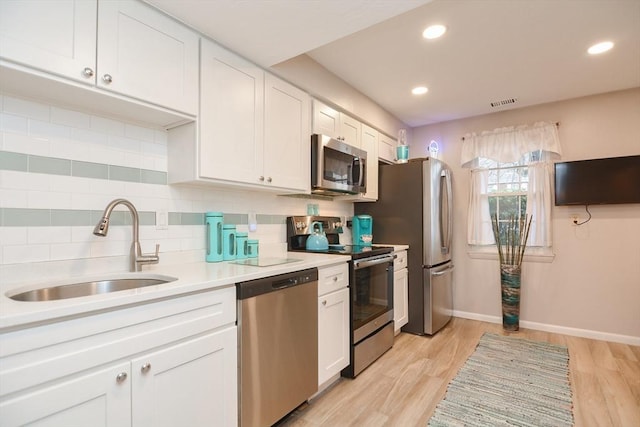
{"points": [[252, 247], [213, 221], [242, 246], [228, 242]]}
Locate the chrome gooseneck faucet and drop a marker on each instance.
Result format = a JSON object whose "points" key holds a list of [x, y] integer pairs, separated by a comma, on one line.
{"points": [[137, 258]]}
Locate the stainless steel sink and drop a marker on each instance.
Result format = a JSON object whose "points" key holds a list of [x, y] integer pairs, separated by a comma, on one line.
{"points": [[95, 287]]}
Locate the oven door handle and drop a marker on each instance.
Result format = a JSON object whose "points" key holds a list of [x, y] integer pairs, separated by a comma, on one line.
{"points": [[369, 262]]}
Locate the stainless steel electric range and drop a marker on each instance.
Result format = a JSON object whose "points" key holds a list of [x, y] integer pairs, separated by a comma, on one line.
{"points": [[370, 288]]}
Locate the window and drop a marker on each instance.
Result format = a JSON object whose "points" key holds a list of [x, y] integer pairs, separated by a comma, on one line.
{"points": [[510, 176], [507, 187]]}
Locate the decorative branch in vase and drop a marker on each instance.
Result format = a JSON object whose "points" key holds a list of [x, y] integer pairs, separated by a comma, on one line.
{"points": [[511, 241]]}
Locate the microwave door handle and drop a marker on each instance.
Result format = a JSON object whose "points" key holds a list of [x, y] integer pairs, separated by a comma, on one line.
{"points": [[361, 172]]}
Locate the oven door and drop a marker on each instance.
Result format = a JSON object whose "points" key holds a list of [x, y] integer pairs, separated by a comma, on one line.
{"points": [[371, 295]]}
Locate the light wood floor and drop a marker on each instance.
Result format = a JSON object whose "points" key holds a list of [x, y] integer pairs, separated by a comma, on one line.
{"points": [[403, 387]]}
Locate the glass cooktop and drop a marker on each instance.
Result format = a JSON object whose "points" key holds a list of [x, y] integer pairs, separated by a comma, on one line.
{"points": [[355, 251]]}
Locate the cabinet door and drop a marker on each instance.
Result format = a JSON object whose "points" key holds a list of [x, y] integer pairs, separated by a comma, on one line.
{"points": [[370, 145], [333, 334], [326, 120], [387, 149], [231, 116], [99, 398], [400, 298], [287, 143], [190, 384], [55, 36], [351, 130], [147, 55]]}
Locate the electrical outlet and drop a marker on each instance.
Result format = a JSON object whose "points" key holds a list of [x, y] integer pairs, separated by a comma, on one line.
{"points": [[574, 219]]}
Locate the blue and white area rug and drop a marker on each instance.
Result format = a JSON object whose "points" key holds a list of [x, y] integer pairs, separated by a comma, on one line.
{"points": [[509, 381]]}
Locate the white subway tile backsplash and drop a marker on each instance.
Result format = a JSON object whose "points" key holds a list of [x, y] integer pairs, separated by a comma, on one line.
{"points": [[89, 137], [107, 126], [62, 251], [139, 132], [70, 118], [12, 198], [12, 254], [48, 200], [26, 144], [13, 123], [45, 235], [13, 236], [48, 130], [26, 108], [24, 181], [123, 143]]}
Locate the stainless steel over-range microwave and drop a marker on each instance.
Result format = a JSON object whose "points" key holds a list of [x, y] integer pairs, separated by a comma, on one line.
{"points": [[337, 167]]}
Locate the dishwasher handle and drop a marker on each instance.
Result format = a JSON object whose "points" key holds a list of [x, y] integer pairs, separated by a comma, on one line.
{"points": [[253, 288]]}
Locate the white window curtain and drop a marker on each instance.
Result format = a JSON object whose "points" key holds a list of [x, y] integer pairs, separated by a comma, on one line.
{"points": [[510, 145]]}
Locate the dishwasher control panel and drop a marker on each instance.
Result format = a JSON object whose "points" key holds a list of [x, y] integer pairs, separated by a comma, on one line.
{"points": [[265, 285]]}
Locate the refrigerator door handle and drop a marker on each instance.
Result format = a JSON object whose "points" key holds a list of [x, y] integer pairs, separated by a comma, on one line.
{"points": [[443, 272], [445, 246]]}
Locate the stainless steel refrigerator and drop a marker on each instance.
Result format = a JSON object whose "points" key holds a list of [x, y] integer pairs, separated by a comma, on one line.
{"points": [[415, 207]]}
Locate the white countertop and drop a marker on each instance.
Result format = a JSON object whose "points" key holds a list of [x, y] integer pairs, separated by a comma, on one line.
{"points": [[192, 277]]}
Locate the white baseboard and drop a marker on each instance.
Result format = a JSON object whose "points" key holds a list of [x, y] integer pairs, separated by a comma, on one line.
{"points": [[575, 332]]}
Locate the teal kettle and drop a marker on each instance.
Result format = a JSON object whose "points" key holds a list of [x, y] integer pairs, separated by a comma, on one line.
{"points": [[317, 241]]}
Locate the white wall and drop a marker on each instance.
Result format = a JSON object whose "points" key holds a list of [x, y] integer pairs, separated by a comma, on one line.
{"points": [[322, 84], [36, 252], [592, 287]]}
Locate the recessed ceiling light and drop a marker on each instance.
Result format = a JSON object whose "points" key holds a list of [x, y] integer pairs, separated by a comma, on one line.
{"points": [[434, 31], [600, 48], [420, 90]]}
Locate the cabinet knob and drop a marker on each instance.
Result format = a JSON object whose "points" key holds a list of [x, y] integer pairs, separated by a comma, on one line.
{"points": [[261, 178], [324, 302], [269, 179], [121, 377], [335, 278], [87, 72], [145, 368], [107, 78]]}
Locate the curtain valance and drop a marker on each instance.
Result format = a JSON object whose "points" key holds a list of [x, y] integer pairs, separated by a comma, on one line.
{"points": [[509, 144]]}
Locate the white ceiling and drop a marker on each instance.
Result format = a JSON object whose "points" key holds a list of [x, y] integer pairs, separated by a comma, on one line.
{"points": [[532, 50]]}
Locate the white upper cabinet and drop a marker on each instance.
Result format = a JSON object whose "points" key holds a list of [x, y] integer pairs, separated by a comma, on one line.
{"points": [[253, 129], [287, 142], [370, 145], [54, 36], [231, 116], [387, 149], [333, 123], [146, 55], [123, 47]]}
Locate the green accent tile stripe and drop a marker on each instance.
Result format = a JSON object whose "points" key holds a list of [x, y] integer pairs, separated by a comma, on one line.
{"points": [[89, 170], [25, 217], [49, 165], [13, 161], [57, 166]]}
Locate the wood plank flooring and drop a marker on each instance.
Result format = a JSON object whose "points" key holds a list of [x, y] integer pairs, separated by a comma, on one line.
{"points": [[403, 387]]}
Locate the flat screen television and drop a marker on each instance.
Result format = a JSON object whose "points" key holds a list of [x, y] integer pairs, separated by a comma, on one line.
{"points": [[612, 180]]}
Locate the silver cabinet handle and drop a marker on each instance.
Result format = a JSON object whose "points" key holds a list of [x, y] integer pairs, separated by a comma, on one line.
{"points": [[107, 78], [269, 179], [121, 377], [87, 72], [261, 178], [324, 302], [145, 368], [335, 278]]}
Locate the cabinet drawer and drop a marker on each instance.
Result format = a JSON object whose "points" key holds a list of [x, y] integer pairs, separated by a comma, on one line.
{"points": [[333, 278], [401, 261], [35, 355]]}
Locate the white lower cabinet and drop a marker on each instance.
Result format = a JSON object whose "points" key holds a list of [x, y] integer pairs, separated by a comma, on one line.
{"points": [[333, 322], [400, 291], [160, 364]]}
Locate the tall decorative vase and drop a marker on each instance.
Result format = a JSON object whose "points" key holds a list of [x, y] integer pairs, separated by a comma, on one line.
{"points": [[510, 284]]}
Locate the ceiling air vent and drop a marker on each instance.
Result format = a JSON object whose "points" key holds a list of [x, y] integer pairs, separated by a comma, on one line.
{"points": [[504, 102]]}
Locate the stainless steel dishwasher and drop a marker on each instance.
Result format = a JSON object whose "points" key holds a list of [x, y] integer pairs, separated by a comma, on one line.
{"points": [[278, 345]]}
